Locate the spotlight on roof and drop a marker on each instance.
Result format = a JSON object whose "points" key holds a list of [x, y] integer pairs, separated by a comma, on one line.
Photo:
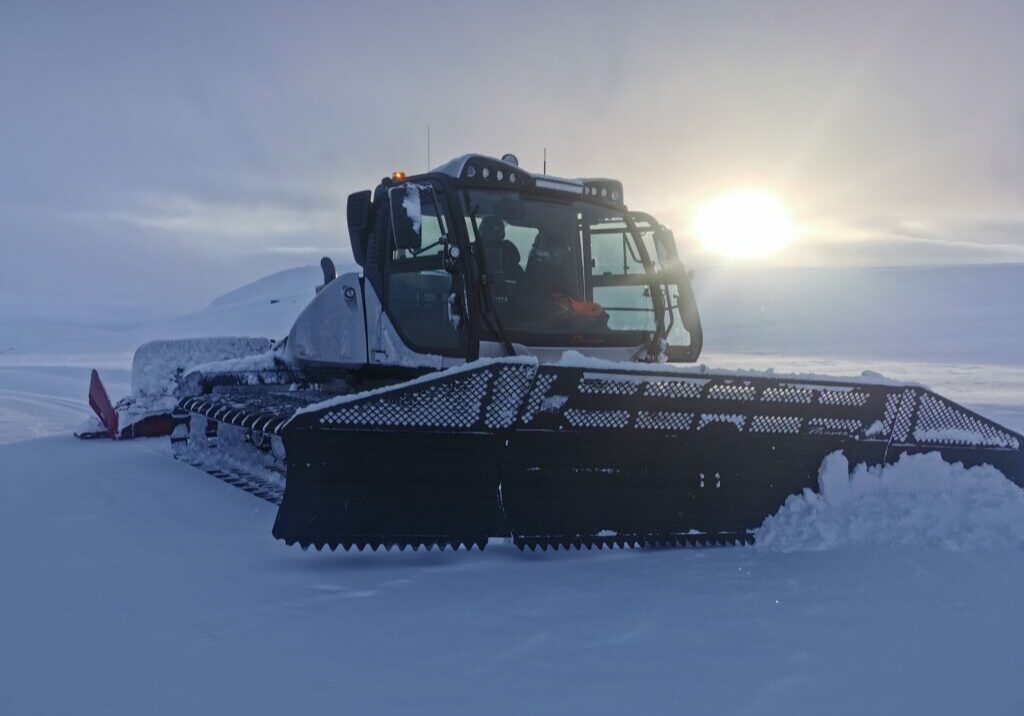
{"points": [[510, 159]]}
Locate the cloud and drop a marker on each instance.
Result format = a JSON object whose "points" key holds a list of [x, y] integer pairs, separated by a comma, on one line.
{"points": [[191, 217], [901, 242]]}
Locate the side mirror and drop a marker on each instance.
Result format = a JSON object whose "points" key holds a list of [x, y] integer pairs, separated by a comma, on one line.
{"points": [[407, 215], [665, 244]]}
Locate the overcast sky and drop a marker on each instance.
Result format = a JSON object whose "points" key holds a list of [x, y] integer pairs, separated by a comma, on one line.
{"points": [[166, 152]]}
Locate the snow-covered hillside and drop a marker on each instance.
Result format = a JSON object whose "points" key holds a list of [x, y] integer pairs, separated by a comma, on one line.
{"points": [[266, 307], [970, 314]]}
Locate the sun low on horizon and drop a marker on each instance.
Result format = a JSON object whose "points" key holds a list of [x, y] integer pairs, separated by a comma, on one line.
{"points": [[744, 224]]}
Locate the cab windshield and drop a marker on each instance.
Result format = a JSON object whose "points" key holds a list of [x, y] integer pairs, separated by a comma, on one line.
{"points": [[562, 272]]}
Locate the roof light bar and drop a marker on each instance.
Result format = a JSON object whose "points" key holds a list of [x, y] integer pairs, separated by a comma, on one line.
{"points": [[548, 183]]}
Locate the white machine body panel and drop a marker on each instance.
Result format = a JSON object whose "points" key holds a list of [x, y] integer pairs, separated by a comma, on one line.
{"points": [[331, 330]]}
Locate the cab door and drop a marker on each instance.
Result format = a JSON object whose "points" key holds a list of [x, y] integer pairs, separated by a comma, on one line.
{"points": [[419, 318]]}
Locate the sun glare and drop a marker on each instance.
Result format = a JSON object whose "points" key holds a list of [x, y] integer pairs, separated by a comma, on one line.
{"points": [[746, 224]]}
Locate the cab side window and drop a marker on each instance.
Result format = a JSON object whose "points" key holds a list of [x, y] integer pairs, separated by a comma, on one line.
{"points": [[614, 255]]}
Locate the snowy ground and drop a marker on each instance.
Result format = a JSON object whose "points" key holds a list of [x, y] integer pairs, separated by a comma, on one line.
{"points": [[134, 584]]}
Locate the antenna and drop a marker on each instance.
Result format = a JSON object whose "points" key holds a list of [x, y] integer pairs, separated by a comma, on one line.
{"points": [[545, 161], [428, 147]]}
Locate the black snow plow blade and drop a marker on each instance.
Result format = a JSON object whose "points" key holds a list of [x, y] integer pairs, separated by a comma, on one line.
{"points": [[561, 456]]}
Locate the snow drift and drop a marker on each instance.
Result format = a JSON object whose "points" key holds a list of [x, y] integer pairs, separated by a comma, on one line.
{"points": [[921, 500]]}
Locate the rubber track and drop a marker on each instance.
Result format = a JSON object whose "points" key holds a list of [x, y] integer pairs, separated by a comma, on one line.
{"points": [[243, 480]]}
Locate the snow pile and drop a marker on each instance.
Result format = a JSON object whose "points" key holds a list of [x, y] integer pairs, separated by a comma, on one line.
{"points": [[158, 365], [268, 360], [921, 500]]}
